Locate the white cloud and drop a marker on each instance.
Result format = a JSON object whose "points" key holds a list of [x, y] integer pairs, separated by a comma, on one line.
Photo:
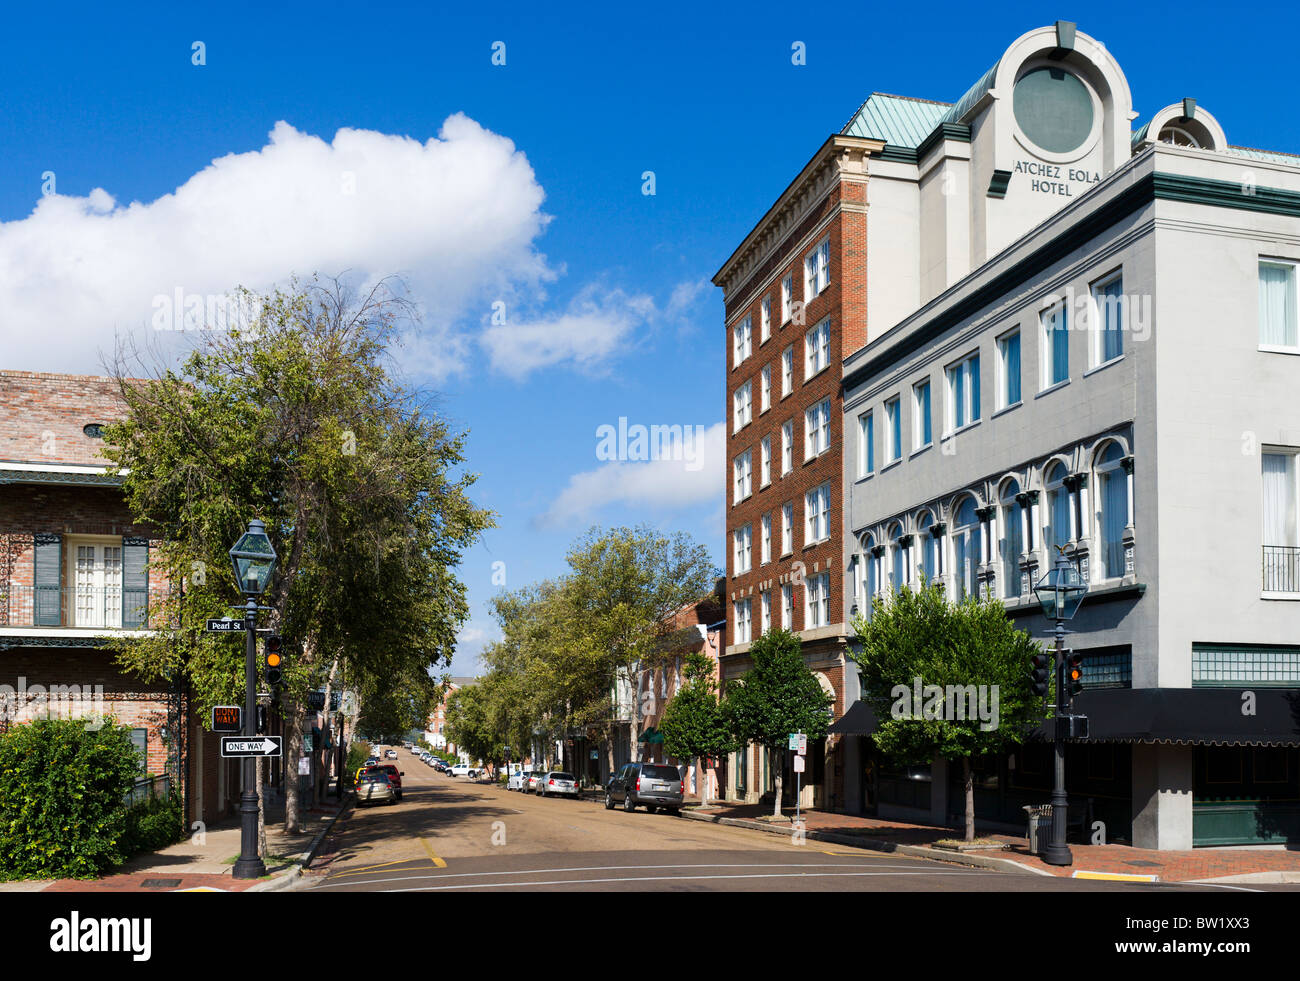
{"points": [[659, 485], [456, 216]]}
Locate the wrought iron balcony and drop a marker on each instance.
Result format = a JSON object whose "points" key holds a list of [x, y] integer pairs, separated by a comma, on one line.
{"points": [[79, 607], [1281, 569]]}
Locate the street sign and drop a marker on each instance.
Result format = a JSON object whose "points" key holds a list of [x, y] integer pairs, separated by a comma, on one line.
{"points": [[799, 742], [316, 700], [304, 766], [239, 746], [227, 718], [225, 626], [798, 764], [794, 740]]}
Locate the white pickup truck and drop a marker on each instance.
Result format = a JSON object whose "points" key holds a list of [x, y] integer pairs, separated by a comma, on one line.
{"points": [[464, 770]]}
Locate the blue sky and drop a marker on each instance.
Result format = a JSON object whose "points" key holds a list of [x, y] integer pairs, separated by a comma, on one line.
{"points": [[609, 312]]}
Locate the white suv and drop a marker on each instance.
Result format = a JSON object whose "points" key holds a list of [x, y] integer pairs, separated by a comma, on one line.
{"points": [[463, 770]]}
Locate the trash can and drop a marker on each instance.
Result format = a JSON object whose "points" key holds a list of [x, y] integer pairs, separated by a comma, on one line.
{"points": [[1040, 827]]}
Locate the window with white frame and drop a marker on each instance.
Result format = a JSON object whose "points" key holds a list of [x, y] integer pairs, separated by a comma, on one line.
{"points": [[765, 319], [1281, 530], [1011, 543], [787, 446], [898, 569], [742, 541], [742, 406], [817, 429], [929, 546], [765, 623], [1008, 369], [765, 389], [787, 298], [743, 472], [894, 429], [1055, 345], [921, 432], [965, 549], [817, 510], [1107, 319], [1059, 529], [817, 349], [743, 620], [817, 600], [866, 445], [742, 341], [1112, 505], [787, 371], [765, 461], [817, 270], [1277, 305], [787, 607], [766, 537], [963, 392], [787, 529]]}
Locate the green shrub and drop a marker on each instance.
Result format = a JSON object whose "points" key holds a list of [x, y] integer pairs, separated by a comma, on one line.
{"points": [[62, 790], [154, 823]]}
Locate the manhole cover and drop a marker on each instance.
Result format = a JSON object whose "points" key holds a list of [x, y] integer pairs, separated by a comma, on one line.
{"points": [[1144, 865], [160, 883]]}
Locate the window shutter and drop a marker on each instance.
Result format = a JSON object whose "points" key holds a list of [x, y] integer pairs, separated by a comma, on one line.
{"points": [[48, 580], [135, 582]]}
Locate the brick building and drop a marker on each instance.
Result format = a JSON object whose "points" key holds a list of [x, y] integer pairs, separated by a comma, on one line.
{"points": [[74, 567], [795, 293]]}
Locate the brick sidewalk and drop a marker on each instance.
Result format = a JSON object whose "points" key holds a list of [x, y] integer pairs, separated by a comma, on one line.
{"points": [[1168, 866]]}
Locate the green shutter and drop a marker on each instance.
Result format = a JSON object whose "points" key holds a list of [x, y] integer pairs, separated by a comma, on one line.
{"points": [[47, 594], [135, 582]]}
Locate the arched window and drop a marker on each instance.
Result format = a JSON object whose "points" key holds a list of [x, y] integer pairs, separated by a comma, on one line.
{"points": [[898, 558], [1058, 510], [870, 575], [1012, 542], [929, 548], [1112, 499], [966, 549]]}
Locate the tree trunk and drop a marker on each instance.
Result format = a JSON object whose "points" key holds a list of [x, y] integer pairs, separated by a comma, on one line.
{"points": [[776, 809], [293, 750], [702, 781], [969, 776]]}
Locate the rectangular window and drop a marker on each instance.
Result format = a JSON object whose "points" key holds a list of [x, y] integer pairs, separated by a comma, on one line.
{"points": [[1008, 369], [1108, 313], [742, 540], [1280, 526], [1277, 304], [766, 537], [743, 613], [787, 529], [742, 406], [817, 349], [787, 371], [787, 607], [765, 319], [766, 622], [817, 508], [921, 434], [741, 341], [765, 389], [765, 461], [743, 472], [894, 429], [817, 592], [817, 270], [817, 429], [787, 291], [1056, 345], [964, 392], [866, 445], [787, 446]]}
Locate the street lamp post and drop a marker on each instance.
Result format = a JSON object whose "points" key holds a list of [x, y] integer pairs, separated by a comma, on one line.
{"points": [[1059, 593], [253, 559]]}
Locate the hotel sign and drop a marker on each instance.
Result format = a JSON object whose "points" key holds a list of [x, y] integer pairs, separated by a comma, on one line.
{"points": [[1059, 179]]}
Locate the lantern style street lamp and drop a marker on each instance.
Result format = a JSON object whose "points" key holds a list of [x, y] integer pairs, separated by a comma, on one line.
{"points": [[1059, 593], [253, 560]]}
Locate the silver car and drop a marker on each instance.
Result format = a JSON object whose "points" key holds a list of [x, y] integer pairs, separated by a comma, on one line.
{"points": [[517, 779], [651, 784], [558, 783], [375, 788], [530, 781]]}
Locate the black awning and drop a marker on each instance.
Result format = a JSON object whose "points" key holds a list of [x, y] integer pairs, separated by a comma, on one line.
{"points": [[1193, 716], [859, 720]]}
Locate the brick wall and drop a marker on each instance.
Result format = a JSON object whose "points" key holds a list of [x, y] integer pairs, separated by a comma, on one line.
{"points": [[42, 416]]}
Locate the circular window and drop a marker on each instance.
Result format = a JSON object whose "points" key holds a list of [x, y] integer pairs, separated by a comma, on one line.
{"points": [[1053, 109], [95, 430]]}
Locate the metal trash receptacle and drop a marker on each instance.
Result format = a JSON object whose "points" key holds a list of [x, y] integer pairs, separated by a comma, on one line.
{"points": [[1039, 831]]}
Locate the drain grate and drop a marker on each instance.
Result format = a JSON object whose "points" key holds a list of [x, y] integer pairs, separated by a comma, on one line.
{"points": [[160, 883]]}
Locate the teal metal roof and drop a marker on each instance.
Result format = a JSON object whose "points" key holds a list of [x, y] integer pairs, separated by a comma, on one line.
{"points": [[973, 95], [896, 119], [1290, 159]]}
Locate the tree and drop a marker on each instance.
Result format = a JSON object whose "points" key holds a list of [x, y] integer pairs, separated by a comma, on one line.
{"points": [[693, 723], [945, 679], [776, 697], [301, 423]]}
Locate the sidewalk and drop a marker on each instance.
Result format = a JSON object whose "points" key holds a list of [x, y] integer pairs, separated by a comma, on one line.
{"points": [[1200, 864], [208, 865]]}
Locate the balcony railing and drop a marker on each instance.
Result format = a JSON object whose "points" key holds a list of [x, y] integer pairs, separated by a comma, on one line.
{"points": [[86, 607], [1281, 569]]}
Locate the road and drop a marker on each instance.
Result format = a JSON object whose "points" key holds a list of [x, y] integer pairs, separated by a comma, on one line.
{"points": [[450, 834]]}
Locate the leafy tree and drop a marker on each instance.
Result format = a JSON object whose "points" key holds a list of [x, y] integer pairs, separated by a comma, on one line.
{"points": [[300, 422], [693, 723], [977, 663], [776, 697]]}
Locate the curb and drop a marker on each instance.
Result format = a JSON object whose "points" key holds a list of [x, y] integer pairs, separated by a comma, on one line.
{"points": [[286, 880], [878, 845]]}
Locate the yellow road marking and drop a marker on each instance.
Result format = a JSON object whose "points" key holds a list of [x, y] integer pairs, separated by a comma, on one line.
{"points": [[432, 856], [1115, 876], [371, 868]]}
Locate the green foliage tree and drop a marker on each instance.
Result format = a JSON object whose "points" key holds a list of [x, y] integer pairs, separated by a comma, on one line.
{"points": [[693, 723], [776, 697], [963, 649], [300, 422]]}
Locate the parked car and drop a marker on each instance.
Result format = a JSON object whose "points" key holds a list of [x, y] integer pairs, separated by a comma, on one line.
{"points": [[371, 760], [530, 785], [652, 784], [464, 770], [557, 782], [394, 777], [390, 754], [517, 779], [434, 762], [374, 787]]}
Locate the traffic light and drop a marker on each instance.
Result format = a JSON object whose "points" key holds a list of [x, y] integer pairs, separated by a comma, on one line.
{"points": [[1074, 674], [261, 719], [1040, 661], [274, 659]]}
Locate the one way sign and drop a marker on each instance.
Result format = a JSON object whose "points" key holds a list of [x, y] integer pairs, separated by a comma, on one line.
{"points": [[252, 746]]}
